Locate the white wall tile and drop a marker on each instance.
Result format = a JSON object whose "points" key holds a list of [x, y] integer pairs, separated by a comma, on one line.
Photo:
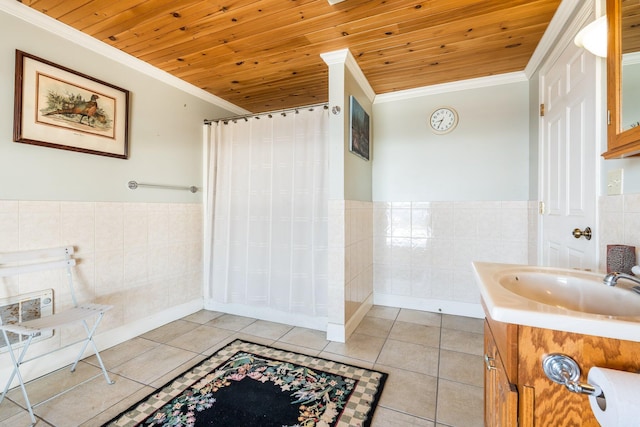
{"points": [[619, 223], [109, 226], [435, 259], [39, 224], [129, 254], [9, 225]]}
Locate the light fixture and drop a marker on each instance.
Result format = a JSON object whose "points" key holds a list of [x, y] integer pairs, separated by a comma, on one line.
{"points": [[593, 37]]}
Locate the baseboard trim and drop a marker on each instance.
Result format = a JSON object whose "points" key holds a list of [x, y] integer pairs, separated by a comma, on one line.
{"points": [[64, 357], [131, 330], [296, 319], [432, 305]]}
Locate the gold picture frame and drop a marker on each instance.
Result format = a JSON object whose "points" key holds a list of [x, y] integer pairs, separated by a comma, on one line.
{"points": [[61, 108]]}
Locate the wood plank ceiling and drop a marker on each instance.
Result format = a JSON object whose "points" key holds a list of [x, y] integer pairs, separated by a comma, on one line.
{"points": [[264, 55]]}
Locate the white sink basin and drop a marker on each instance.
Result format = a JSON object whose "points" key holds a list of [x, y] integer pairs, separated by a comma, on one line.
{"points": [[560, 299], [575, 291]]}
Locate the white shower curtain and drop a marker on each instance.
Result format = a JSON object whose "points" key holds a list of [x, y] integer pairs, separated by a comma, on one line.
{"points": [[267, 203]]}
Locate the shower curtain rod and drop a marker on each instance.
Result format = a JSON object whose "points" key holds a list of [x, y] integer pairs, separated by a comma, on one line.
{"points": [[284, 112]]}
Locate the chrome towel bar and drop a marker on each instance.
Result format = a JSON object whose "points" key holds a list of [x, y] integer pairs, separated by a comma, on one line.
{"points": [[134, 184]]}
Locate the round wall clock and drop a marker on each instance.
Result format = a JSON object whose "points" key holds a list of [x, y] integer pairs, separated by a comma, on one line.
{"points": [[443, 120]]}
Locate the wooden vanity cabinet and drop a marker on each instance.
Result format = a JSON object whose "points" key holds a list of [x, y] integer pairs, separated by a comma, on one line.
{"points": [[518, 393]]}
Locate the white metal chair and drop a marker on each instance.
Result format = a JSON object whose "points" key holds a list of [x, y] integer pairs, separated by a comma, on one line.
{"points": [[38, 260]]}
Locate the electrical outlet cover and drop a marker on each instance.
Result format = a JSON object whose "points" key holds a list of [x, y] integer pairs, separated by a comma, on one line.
{"points": [[614, 182]]}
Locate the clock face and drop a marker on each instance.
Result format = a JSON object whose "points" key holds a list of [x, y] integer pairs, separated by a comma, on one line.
{"points": [[443, 120]]}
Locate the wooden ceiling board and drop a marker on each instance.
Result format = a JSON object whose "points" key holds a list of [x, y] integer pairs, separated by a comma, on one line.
{"points": [[265, 54], [156, 15], [55, 8], [227, 27], [630, 26]]}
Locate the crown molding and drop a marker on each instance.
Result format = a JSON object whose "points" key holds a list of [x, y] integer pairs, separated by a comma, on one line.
{"points": [[554, 31], [580, 16], [79, 38], [344, 56], [476, 83]]}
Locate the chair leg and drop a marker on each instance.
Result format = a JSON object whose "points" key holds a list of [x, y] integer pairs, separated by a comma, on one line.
{"points": [[95, 348], [16, 372]]}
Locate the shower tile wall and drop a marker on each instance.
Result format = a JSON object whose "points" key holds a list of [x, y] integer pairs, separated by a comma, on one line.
{"points": [[350, 257], [425, 249], [358, 254], [141, 257]]}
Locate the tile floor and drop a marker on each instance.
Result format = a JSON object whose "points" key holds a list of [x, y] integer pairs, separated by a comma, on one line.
{"points": [[434, 364]]}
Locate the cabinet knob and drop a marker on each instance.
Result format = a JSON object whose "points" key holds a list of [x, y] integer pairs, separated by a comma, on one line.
{"points": [[488, 362]]}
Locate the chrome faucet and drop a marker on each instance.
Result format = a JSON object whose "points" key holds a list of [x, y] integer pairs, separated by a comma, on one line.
{"points": [[611, 279]]}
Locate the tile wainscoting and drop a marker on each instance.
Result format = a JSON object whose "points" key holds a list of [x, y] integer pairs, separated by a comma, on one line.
{"points": [[423, 250], [350, 265], [145, 259]]}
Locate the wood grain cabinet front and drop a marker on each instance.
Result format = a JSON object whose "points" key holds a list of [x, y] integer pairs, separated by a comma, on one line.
{"points": [[501, 396], [517, 391]]}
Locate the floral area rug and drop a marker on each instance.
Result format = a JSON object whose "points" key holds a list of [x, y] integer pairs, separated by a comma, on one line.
{"points": [[249, 385]]}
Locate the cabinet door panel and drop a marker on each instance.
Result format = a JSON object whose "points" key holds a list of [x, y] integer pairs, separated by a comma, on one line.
{"points": [[501, 396]]}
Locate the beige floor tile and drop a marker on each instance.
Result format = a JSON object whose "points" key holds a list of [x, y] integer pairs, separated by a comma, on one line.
{"points": [[415, 333], [22, 419], [231, 322], [411, 357], [121, 406], [57, 382], [200, 339], [265, 329], [124, 352], [346, 360], [383, 312], [252, 338], [358, 346], [309, 338], [9, 410], [462, 367], [374, 326], [153, 364], [203, 316], [296, 349], [460, 404], [177, 371], [461, 323], [464, 342], [169, 331], [220, 344], [85, 401], [420, 317], [409, 392], [384, 417]]}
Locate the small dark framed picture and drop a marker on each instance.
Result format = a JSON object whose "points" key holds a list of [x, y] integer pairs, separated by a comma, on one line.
{"points": [[360, 129]]}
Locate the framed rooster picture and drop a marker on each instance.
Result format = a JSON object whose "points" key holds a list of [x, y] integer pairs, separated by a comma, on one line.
{"points": [[61, 108]]}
